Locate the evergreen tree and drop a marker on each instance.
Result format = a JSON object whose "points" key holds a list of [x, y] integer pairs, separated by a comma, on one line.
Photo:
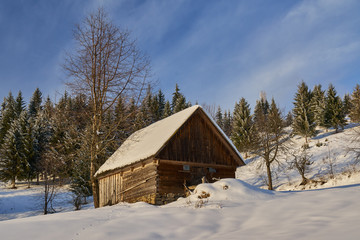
{"points": [[12, 154], [242, 127], [334, 114], [29, 148], [159, 105], [261, 108], [19, 105], [175, 97], [178, 101], [123, 125], [7, 116], [347, 104], [43, 130], [35, 103], [289, 119], [355, 104], [318, 105], [180, 104], [303, 124], [219, 118], [227, 123], [167, 109]]}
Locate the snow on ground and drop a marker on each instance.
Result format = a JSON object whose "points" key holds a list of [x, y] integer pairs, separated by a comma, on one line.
{"points": [[227, 209], [231, 209], [333, 163], [26, 202]]}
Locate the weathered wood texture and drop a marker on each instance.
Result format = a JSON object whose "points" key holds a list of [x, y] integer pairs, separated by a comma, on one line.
{"points": [[198, 141], [138, 184], [196, 150], [172, 177]]}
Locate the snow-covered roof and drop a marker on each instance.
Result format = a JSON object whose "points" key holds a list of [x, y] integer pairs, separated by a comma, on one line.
{"points": [[146, 142]]}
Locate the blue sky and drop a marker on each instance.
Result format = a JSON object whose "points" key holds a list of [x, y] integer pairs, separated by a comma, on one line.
{"points": [[217, 51]]}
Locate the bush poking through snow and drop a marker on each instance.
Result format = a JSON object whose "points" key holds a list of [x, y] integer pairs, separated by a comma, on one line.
{"points": [[204, 195]]}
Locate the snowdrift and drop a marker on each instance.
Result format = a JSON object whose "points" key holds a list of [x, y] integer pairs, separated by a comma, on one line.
{"points": [[225, 192]]}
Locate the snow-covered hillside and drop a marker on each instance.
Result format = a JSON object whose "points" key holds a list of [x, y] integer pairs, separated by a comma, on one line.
{"points": [[227, 209], [332, 162]]}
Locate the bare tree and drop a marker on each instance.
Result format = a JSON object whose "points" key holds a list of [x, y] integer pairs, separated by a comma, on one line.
{"points": [[105, 66], [301, 162], [269, 137]]}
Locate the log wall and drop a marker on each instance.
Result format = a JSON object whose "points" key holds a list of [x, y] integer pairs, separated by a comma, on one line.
{"points": [[132, 185]]}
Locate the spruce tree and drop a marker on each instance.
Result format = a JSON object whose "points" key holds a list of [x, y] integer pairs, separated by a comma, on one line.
{"points": [[355, 104], [35, 103], [334, 114], [219, 118], [227, 123], [261, 108], [19, 105], [178, 101], [346, 104], [29, 148], [175, 97], [167, 109], [7, 116], [289, 119], [180, 104], [242, 127], [318, 105], [303, 123], [12, 154]]}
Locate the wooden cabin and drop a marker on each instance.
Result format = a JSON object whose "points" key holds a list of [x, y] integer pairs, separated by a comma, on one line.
{"points": [[158, 163]]}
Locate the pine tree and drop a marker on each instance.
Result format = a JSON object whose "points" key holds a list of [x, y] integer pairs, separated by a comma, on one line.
{"points": [[334, 114], [180, 104], [346, 104], [43, 130], [159, 105], [7, 116], [219, 118], [355, 104], [242, 127], [35, 103], [303, 124], [19, 105], [289, 119], [167, 109], [261, 108], [227, 123], [175, 97], [178, 101], [29, 148], [12, 154], [318, 105]]}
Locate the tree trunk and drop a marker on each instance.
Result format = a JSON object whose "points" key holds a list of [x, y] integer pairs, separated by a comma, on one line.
{"points": [[37, 178], [13, 183], [94, 185], [270, 185], [46, 194], [93, 158]]}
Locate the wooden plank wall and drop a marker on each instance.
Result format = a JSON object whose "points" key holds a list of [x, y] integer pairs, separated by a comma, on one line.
{"points": [[172, 176], [109, 189], [135, 184], [197, 141]]}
